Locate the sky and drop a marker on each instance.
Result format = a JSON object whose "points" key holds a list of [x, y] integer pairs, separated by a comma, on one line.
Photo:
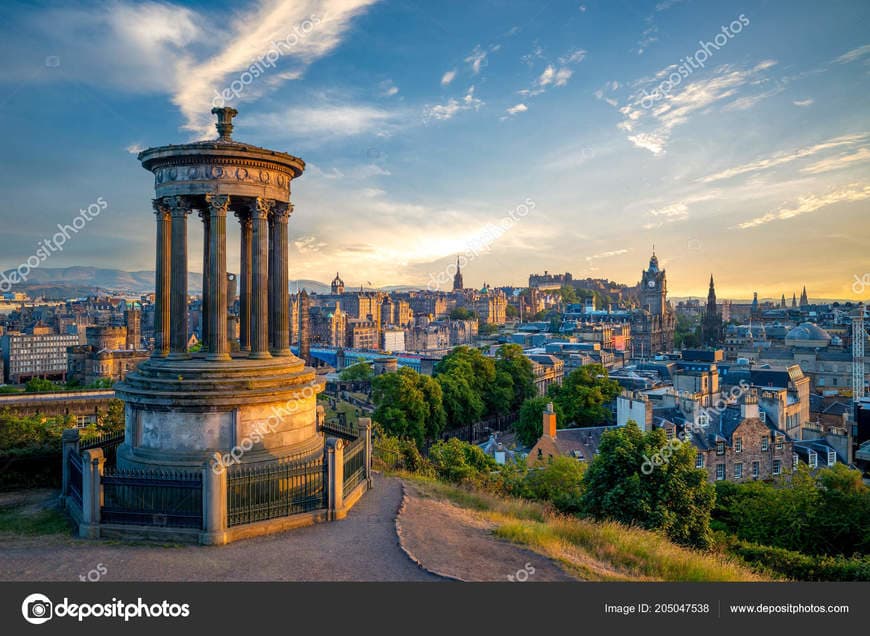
{"points": [[524, 135]]}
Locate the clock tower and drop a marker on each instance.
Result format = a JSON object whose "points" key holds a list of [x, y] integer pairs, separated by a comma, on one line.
{"points": [[654, 288]]}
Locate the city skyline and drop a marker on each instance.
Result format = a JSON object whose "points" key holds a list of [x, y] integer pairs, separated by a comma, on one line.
{"points": [[752, 165]]}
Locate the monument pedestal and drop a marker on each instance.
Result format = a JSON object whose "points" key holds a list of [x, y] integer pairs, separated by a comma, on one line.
{"points": [[180, 412]]}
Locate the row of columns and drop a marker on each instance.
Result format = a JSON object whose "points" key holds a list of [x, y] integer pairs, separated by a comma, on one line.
{"points": [[263, 294]]}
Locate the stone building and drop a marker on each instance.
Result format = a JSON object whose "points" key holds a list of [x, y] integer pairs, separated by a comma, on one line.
{"points": [[41, 354], [738, 446], [654, 323]]}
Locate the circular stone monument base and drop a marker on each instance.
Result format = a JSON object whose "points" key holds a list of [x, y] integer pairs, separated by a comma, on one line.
{"points": [[179, 412]]}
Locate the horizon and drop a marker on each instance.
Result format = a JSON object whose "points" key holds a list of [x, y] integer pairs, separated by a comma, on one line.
{"points": [[750, 163]]}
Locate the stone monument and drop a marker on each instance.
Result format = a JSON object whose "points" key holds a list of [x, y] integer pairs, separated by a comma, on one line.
{"points": [[258, 403]]}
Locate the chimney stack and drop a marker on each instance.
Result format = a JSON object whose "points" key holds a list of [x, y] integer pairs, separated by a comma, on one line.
{"points": [[550, 422], [749, 405]]}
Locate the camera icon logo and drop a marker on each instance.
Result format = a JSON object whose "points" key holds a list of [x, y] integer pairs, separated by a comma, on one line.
{"points": [[37, 609]]}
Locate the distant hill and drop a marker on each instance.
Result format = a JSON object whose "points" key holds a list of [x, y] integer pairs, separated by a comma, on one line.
{"points": [[73, 282]]}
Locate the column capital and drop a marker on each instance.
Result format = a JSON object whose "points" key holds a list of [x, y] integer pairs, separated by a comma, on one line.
{"points": [[161, 209], [261, 208], [178, 205], [218, 204], [282, 212]]}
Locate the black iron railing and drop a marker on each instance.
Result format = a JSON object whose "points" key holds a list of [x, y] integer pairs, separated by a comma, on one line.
{"points": [[170, 499], [109, 442], [258, 494], [354, 464], [74, 485], [344, 430]]}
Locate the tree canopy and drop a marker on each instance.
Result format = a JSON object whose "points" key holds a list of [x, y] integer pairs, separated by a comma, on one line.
{"points": [[675, 497], [585, 395]]}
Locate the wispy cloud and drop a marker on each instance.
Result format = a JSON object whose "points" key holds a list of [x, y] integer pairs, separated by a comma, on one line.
{"points": [[448, 77], [845, 160], [783, 158], [518, 108], [811, 203], [387, 88], [650, 128], [804, 102], [452, 106], [329, 120], [477, 59], [854, 54], [667, 214]]}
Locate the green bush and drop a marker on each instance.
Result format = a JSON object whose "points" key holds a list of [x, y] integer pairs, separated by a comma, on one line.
{"points": [[559, 482], [458, 461], [803, 567]]}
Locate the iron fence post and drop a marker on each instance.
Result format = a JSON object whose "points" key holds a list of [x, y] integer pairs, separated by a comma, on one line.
{"points": [[365, 425], [335, 462]]}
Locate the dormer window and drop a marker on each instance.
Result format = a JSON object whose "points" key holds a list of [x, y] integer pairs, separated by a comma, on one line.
{"points": [[813, 459], [832, 458], [720, 448]]}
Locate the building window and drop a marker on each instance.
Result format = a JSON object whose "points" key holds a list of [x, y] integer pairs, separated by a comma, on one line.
{"points": [[699, 460], [794, 461], [738, 470], [720, 472], [738, 444], [777, 466], [779, 442], [832, 458], [765, 443], [755, 468], [813, 459], [720, 448]]}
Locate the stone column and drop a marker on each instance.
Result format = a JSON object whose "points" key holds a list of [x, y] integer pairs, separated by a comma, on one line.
{"points": [[279, 276], [214, 502], [161, 282], [92, 493], [179, 209], [206, 285], [218, 345], [273, 268], [260, 278], [245, 282], [69, 444]]}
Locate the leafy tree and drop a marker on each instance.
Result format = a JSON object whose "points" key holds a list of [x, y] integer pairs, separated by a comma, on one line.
{"points": [[529, 426], [472, 366], [462, 313], [674, 497], [569, 294], [585, 395], [408, 405], [356, 372], [511, 312], [510, 360], [462, 404], [822, 512], [559, 482], [38, 385], [687, 333], [486, 329], [458, 461]]}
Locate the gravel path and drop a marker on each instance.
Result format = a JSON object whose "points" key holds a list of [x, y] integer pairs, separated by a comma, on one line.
{"points": [[459, 544], [362, 547]]}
